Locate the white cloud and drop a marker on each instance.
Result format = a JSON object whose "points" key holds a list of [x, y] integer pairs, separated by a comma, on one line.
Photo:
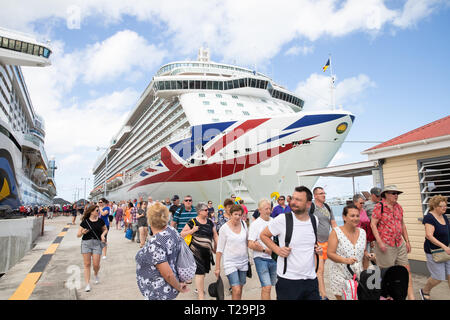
{"points": [[317, 93], [119, 55], [296, 50], [414, 11], [250, 31]]}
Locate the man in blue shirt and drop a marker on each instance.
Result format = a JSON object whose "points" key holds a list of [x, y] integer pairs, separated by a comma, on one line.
{"points": [[104, 214], [281, 207]]}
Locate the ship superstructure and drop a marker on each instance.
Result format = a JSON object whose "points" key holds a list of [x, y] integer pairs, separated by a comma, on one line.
{"points": [[26, 173], [210, 130]]}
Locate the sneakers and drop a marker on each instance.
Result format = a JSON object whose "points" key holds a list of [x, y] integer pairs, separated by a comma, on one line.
{"points": [[97, 280], [88, 288]]}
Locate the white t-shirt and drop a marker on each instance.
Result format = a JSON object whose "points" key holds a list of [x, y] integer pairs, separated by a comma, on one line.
{"points": [[255, 230], [300, 262], [234, 249]]}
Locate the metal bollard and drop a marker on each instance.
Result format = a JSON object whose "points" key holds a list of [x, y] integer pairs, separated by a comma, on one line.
{"points": [[43, 220]]}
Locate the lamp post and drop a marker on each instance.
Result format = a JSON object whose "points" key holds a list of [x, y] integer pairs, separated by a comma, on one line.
{"points": [[85, 179]]}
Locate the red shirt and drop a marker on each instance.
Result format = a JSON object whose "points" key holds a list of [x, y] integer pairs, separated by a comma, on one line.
{"points": [[389, 223]]}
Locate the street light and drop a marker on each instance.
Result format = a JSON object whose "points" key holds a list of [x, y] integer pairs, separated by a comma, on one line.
{"points": [[85, 179], [106, 165]]}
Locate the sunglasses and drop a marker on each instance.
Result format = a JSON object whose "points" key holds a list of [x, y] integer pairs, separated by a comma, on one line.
{"points": [[394, 193], [188, 200]]}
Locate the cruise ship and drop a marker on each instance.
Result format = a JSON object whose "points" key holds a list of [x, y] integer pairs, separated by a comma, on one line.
{"points": [[210, 130], [26, 174]]}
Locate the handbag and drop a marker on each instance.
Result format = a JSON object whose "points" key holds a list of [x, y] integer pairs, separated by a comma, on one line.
{"points": [[185, 264], [439, 255], [129, 233], [350, 291], [188, 238], [249, 269], [102, 244]]}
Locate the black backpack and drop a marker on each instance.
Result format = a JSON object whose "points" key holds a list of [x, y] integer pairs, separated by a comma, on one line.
{"points": [[366, 291], [287, 240], [313, 208], [394, 283]]}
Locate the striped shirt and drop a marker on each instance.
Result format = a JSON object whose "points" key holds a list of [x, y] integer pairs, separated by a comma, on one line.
{"points": [[181, 217]]}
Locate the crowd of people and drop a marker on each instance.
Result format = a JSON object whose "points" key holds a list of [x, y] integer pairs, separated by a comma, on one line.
{"points": [[289, 243]]}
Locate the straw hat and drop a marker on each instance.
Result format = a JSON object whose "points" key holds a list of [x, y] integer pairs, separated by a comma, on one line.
{"points": [[391, 188]]}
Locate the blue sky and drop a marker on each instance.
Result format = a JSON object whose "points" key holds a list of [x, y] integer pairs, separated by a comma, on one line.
{"points": [[390, 59]]}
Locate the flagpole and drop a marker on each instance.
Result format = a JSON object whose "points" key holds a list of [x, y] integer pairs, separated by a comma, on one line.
{"points": [[333, 105]]}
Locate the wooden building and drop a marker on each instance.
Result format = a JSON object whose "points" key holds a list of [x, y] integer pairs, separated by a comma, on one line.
{"points": [[418, 163]]}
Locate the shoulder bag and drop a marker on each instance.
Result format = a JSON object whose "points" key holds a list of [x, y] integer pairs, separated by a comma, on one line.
{"points": [[102, 244], [188, 238], [249, 270], [439, 255]]}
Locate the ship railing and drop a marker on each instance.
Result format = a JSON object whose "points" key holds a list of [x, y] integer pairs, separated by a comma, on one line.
{"points": [[32, 138]]}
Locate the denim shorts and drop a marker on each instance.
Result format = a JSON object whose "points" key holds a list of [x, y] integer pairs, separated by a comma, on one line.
{"points": [[267, 271], [93, 246], [237, 278]]}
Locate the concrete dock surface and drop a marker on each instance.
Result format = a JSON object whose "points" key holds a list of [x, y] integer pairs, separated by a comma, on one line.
{"points": [[63, 276]]}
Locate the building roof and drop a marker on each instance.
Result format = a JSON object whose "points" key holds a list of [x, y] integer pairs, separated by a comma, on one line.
{"points": [[434, 129]]}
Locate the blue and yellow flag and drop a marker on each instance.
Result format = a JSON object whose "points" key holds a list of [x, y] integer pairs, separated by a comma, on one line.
{"points": [[325, 67]]}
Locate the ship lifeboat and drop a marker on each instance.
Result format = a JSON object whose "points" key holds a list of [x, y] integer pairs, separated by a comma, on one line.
{"points": [[39, 173], [51, 188], [114, 181]]}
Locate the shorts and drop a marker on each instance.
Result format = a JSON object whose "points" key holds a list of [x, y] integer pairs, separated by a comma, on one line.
{"points": [[394, 256], [237, 278], [93, 246], [324, 246], [307, 289], [267, 271], [438, 270]]}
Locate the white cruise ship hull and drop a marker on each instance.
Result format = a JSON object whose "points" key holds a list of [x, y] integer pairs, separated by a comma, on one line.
{"points": [[269, 153]]}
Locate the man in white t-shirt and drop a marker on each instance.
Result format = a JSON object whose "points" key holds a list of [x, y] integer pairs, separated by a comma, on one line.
{"points": [[264, 264], [299, 282]]}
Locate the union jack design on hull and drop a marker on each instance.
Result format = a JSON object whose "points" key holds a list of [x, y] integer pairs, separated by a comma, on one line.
{"points": [[211, 130]]}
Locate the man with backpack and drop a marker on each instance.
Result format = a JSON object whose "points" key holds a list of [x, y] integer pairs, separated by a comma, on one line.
{"points": [[392, 241], [324, 214], [297, 250]]}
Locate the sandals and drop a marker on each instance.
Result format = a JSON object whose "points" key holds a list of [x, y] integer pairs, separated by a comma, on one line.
{"points": [[423, 295]]}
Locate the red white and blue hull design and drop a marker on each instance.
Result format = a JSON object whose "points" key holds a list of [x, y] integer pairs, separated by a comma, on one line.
{"points": [[250, 158]]}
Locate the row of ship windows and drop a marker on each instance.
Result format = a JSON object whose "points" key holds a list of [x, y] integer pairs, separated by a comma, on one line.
{"points": [[227, 85], [24, 47], [201, 65]]}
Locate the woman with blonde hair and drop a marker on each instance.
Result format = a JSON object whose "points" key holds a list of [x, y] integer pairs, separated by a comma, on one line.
{"points": [[156, 273], [93, 230], [437, 233]]}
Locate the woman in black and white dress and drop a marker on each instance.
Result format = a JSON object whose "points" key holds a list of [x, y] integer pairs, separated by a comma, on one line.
{"points": [[347, 246]]}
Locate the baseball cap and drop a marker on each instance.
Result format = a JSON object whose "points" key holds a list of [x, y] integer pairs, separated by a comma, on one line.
{"points": [[376, 191], [175, 197]]}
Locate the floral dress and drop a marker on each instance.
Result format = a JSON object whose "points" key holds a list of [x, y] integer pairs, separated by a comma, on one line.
{"points": [[338, 271], [163, 247]]}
